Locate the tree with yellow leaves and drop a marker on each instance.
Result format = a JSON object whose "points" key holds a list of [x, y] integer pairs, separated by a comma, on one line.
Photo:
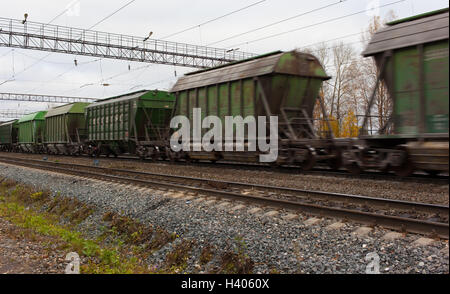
{"points": [[349, 126]]}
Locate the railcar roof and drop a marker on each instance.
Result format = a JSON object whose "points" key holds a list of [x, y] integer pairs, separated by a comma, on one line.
{"points": [[124, 97], [40, 115], [77, 107], [11, 122], [419, 29], [292, 63]]}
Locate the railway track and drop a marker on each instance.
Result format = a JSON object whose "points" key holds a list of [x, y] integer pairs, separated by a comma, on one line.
{"points": [[322, 171], [422, 218]]}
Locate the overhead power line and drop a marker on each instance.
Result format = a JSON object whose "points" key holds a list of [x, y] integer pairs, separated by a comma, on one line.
{"points": [[209, 21], [109, 15], [313, 25], [55, 18], [334, 39], [277, 22], [64, 11], [47, 55]]}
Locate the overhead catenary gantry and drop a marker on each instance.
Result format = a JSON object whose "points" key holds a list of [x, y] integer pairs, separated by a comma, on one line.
{"points": [[43, 98], [9, 114], [46, 37]]}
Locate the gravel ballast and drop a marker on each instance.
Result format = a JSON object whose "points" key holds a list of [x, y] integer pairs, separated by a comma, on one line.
{"points": [[273, 243]]}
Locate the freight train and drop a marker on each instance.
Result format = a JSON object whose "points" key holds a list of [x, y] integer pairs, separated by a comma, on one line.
{"points": [[412, 60]]}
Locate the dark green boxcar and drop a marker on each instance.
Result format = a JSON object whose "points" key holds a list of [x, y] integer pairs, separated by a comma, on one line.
{"points": [[412, 56], [65, 128], [8, 135], [283, 84], [31, 132], [132, 123]]}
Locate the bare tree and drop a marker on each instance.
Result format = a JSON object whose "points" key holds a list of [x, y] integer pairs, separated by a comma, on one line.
{"points": [[353, 79], [369, 72]]}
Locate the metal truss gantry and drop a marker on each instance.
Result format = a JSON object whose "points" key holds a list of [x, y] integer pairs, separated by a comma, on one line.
{"points": [[46, 37], [9, 114], [43, 98]]}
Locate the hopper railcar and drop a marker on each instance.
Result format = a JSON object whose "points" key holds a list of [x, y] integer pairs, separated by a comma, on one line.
{"points": [[32, 132], [65, 131], [135, 123], [412, 59], [281, 84], [9, 132]]}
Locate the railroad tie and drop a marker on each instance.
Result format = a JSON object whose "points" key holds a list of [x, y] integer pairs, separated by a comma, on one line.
{"points": [[223, 204], [254, 210], [362, 231], [391, 236], [290, 216], [312, 221], [335, 226], [178, 195], [271, 213], [237, 207], [210, 202], [423, 241], [201, 199]]}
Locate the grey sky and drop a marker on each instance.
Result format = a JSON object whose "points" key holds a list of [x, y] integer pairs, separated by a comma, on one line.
{"points": [[165, 18]]}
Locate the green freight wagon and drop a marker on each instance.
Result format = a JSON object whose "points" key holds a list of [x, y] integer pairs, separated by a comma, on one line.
{"points": [[282, 84], [31, 132], [8, 135], [65, 129], [135, 123], [412, 58]]}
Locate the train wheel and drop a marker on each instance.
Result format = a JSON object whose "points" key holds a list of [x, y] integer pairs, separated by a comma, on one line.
{"points": [[406, 169], [432, 173], [336, 162], [309, 163], [354, 169]]}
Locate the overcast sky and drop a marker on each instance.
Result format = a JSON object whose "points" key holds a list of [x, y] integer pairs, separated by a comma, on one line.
{"points": [[168, 17]]}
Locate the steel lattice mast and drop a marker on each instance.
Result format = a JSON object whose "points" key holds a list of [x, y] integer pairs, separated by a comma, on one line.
{"points": [[61, 39]]}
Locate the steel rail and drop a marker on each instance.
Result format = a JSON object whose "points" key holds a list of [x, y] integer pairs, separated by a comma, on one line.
{"points": [[322, 195], [295, 169], [404, 224]]}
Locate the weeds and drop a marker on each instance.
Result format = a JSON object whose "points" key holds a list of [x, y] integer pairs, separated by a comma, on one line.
{"points": [[206, 255], [237, 262], [134, 232], [179, 255], [20, 206]]}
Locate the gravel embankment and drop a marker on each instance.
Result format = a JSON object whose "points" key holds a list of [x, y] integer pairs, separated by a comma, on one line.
{"points": [[408, 191], [34, 254], [289, 246]]}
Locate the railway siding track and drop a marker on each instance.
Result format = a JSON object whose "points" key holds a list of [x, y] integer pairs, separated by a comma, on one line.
{"points": [[420, 217]]}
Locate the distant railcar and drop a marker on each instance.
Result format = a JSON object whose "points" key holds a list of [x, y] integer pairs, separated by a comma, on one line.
{"points": [[31, 132], [65, 129], [412, 58], [282, 84], [9, 135], [135, 123]]}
